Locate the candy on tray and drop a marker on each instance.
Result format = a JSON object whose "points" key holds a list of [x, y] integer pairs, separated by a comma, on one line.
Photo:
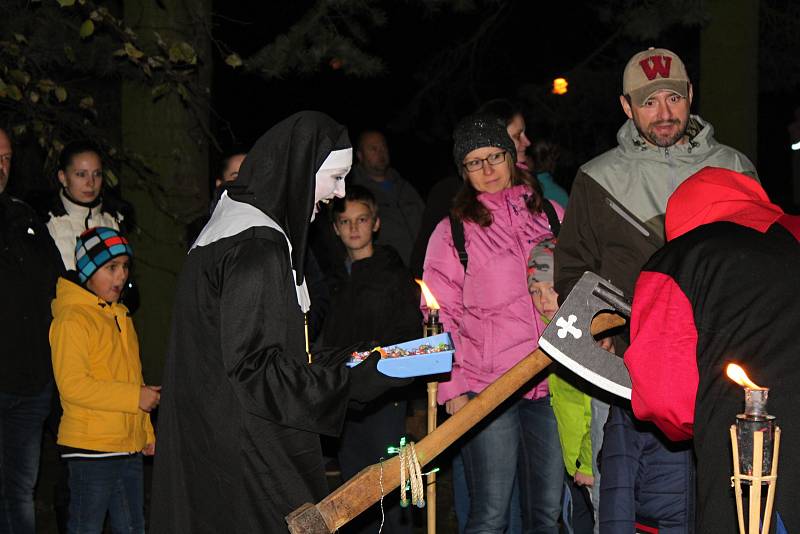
{"points": [[397, 352], [425, 356]]}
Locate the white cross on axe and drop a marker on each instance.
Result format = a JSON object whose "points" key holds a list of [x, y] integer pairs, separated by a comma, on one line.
{"points": [[568, 328]]}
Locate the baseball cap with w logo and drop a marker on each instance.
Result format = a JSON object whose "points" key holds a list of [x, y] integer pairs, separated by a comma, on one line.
{"points": [[652, 70]]}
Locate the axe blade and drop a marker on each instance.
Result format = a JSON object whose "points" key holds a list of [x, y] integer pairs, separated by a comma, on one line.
{"points": [[568, 339]]}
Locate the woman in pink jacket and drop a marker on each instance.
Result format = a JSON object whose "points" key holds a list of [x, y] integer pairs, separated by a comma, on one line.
{"points": [[488, 311]]}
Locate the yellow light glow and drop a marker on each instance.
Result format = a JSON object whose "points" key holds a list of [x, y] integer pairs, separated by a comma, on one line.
{"points": [[430, 300], [560, 86], [738, 375]]}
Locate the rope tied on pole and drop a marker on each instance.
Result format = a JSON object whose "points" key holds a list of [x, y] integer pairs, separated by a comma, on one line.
{"points": [[410, 474]]}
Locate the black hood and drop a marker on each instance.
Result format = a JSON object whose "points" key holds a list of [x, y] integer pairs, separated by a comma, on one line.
{"points": [[277, 175]]}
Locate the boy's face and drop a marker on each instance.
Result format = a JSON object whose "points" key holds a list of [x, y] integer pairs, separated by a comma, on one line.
{"points": [[355, 225], [108, 281], [544, 297]]}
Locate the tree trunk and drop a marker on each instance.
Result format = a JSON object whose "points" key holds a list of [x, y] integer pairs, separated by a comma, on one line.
{"points": [[172, 142], [729, 73]]}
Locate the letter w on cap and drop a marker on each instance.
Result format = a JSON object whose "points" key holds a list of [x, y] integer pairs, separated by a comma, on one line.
{"points": [[656, 65]]}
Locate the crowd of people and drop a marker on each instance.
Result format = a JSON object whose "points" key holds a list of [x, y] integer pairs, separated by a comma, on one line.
{"points": [[305, 258]]}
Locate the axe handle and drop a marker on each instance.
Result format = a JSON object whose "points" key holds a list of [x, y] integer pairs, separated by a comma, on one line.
{"points": [[606, 321], [364, 489]]}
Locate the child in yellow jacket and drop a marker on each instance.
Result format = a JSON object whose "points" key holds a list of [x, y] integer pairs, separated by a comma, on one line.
{"points": [[105, 427]]}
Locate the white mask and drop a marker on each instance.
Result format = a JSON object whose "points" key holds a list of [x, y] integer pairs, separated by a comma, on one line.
{"points": [[330, 177]]}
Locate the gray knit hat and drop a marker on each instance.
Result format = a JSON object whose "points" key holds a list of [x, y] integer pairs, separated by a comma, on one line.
{"points": [[478, 131]]}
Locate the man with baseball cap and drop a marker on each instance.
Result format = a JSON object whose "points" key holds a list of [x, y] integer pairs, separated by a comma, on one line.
{"points": [[614, 222], [656, 95]]}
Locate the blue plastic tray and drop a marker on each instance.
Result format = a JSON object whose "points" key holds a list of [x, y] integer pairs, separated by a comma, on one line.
{"points": [[417, 364]]}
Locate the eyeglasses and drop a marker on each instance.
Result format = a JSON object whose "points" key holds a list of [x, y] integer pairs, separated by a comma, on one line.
{"points": [[492, 159]]}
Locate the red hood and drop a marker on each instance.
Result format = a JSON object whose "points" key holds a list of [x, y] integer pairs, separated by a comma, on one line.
{"points": [[712, 195]]}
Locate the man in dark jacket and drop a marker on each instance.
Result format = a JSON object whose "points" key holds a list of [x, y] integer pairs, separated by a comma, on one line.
{"points": [[375, 299], [399, 203], [723, 289], [614, 222], [29, 267]]}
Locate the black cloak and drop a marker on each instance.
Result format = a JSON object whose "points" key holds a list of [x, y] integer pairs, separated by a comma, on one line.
{"points": [[241, 412]]}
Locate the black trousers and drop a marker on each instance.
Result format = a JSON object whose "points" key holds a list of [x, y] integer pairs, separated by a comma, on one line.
{"points": [[364, 441]]}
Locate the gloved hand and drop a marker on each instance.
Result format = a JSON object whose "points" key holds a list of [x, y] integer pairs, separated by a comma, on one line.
{"points": [[367, 383]]}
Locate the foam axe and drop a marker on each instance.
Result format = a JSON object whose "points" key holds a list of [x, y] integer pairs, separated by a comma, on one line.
{"points": [[568, 339], [367, 487]]}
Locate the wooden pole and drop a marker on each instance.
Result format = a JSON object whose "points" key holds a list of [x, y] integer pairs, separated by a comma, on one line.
{"points": [[432, 327], [737, 482], [754, 521], [433, 388], [755, 480], [364, 489], [773, 482]]}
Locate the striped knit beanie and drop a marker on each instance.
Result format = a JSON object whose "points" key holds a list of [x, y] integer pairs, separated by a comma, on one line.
{"points": [[97, 246]]}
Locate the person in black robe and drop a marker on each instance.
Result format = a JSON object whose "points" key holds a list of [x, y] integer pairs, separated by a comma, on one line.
{"points": [[242, 408]]}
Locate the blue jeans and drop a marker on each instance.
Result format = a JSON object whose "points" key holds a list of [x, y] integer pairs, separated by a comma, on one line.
{"points": [[520, 440], [113, 485], [21, 423], [576, 513], [461, 500]]}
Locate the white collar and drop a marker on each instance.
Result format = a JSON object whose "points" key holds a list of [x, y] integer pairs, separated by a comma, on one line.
{"points": [[72, 207], [232, 217]]}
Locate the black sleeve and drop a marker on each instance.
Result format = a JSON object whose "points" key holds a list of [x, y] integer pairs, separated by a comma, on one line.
{"points": [[320, 296], [256, 308]]}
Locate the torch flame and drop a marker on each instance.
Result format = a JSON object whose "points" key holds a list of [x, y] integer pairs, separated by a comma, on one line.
{"points": [[738, 375], [560, 86], [430, 300]]}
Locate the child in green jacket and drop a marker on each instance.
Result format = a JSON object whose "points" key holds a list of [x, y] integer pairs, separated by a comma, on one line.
{"points": [[572, 407]]}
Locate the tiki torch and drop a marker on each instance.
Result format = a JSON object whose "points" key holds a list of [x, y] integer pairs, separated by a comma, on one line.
{"points": [[755, 440], [431, 327]]}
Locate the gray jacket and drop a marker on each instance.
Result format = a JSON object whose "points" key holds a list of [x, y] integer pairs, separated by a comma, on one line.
{"points": [[615, 217]]}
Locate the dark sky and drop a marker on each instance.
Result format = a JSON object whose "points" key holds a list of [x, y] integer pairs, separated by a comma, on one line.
{"points": [[420, 144], [528, 45]]}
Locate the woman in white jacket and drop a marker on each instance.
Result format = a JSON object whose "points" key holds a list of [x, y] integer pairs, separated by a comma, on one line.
{"points": [[80, 204]]}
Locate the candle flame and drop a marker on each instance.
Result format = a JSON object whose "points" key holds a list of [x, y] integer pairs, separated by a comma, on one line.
{"points": [[738, 375], [430, 300]]}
